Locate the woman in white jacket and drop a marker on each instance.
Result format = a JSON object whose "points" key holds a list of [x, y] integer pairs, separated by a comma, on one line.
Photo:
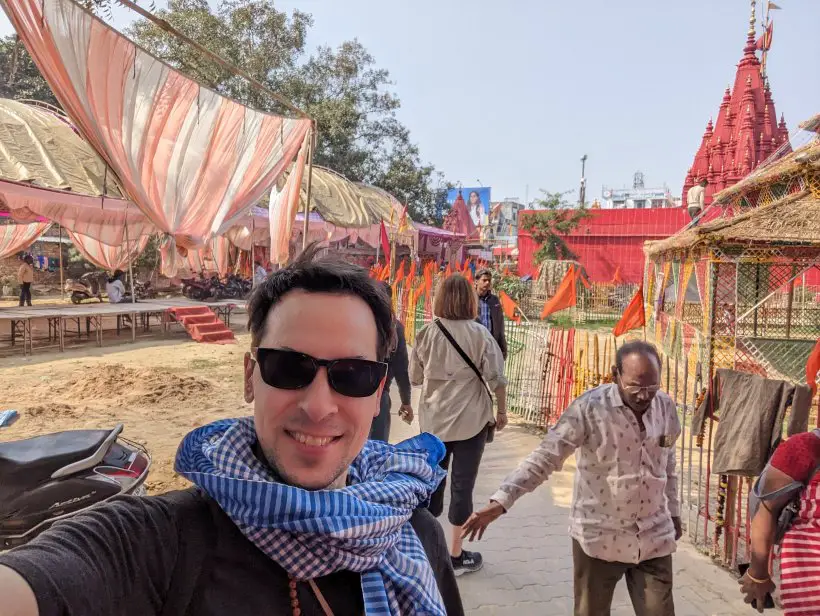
{"points": [[456, 404]]}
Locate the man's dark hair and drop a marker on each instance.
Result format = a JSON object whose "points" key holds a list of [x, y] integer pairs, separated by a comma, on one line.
{"points": [[636, 347], [322, 276], [484, 272]]}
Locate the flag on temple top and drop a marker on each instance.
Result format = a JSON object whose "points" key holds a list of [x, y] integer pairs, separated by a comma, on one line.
{"points": [[448, 271], [564, 296], [399, 273], [509, 307], [633, 317], [813, 367], [774, 7], [616, 278], [385, 242], [764, 43]]}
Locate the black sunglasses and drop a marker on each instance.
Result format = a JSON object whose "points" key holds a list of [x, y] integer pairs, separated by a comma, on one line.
{"points": [[352, 377]]}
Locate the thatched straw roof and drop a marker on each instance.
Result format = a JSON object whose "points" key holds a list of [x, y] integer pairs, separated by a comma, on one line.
{"points": [[792, 220], [803, 160]]}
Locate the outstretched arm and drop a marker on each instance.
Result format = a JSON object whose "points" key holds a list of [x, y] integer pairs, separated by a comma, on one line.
{"points": [[559, 443]]}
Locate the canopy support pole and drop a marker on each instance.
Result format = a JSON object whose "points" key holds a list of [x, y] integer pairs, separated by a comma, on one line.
{"points": [[128, 256], [306, 223], [253, 256], [60, 249]]}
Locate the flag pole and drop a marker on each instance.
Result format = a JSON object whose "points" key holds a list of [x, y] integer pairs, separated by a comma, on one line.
{"points": [[62, 277], [306, 223]]}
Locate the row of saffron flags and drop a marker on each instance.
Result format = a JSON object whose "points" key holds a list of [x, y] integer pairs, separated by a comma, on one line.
{"points": [[565, 296]]}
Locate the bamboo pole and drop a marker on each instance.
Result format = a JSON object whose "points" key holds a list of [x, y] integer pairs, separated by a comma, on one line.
{"points": [[306, 223], [60, 250], [164, 25], [128, 255]]}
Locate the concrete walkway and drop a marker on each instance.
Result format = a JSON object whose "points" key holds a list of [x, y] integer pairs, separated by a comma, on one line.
{"points": [[527, 553]]}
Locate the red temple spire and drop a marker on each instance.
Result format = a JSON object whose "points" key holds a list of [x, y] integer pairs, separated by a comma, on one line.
{"points": [[745, 132]]}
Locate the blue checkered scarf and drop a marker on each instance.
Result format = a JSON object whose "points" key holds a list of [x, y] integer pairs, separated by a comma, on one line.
{"points": [[363, 527]]}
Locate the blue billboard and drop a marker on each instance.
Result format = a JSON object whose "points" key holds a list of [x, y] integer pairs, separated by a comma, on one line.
{"points": [[476, 200]]}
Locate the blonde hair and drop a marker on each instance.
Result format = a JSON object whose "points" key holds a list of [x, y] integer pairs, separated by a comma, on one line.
{"points": [[456, 299]]}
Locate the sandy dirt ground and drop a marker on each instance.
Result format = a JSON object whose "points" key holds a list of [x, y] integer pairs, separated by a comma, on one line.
{"points": [[159, 390]]}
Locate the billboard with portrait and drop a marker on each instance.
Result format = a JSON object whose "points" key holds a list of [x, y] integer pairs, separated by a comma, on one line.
{"points": [[477, 200]]}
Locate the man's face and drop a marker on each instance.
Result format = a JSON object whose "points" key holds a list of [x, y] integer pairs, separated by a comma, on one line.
{"points": [[484, 284], [639, 371], [324, 326]]}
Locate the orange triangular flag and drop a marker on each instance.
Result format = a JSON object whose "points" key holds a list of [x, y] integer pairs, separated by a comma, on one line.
{"points": [[564, 297], [468, 274], [509, 307], [633, 317], [616, 278], [813, 367], [448, 271], [411, 275], [537, 274], [581, 275], [385, 275], [399, 273], [428, 278]]}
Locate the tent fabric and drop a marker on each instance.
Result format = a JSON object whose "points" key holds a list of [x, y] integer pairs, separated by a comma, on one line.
{"points": [[14, 238], [100, 218], [189, 158], [282, 208], [41, 148], [107, 256]]}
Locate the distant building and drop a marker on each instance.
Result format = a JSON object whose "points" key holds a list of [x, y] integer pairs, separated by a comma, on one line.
{"points": [[638, 197], [503, 222]]}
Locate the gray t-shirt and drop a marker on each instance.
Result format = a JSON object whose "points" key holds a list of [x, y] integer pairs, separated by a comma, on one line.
{"points": [[180, 554]]}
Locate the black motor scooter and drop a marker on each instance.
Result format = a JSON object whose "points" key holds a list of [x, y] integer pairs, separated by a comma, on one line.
{"points": [[47, 478]]}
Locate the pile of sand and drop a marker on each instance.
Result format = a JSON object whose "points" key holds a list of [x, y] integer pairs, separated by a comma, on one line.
{"points": [[119, 383]]}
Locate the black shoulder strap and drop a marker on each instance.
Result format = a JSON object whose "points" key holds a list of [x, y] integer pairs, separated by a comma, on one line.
{"points": [[464, 356]]}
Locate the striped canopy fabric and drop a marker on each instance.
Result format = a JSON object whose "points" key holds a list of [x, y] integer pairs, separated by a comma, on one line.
{"points": [[100, 218], [14, 238], [107, 256], [189, 158]]}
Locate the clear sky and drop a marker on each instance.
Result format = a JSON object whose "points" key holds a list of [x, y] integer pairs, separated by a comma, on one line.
{"points": [[514, 93]]}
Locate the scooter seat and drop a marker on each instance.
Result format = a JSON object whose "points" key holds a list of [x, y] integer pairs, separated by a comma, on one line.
{"points": [[38, 457]]}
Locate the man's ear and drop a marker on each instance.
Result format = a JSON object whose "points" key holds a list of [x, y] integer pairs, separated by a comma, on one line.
{"points": [[250, 364], [379, 395]]}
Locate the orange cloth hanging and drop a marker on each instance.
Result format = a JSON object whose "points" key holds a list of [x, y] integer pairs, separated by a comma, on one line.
{"points": [[633, 317], [564, 297]]}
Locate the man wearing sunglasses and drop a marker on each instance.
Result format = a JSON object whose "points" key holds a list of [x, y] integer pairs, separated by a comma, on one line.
{"points": [[294, 511], [624, 517]]}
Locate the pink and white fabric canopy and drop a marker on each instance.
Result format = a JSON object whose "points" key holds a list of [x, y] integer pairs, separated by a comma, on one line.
{"points": [[106, 256], [101, 219], [189, 158], [14, 238]]}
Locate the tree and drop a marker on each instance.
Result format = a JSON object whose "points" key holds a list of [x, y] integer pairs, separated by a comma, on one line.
{"points": [[19, 77], [547, 226], [359, 134]]}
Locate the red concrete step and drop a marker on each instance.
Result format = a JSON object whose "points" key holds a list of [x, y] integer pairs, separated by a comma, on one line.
{"points": [[203, 325], [223, 337], [198, 319], [204, 328]]}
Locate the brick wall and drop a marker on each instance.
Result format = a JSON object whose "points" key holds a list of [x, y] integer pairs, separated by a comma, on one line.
{"points": [[43, 280]]}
